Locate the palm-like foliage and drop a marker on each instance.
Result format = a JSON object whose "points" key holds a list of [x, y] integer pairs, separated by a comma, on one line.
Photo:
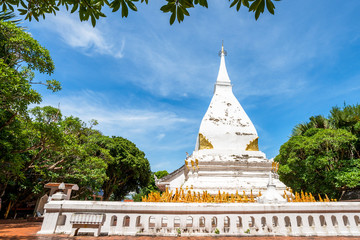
{"points": [[8, 16], [347, 118], [318, 121]]}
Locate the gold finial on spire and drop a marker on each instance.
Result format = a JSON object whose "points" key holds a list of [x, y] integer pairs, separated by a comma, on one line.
{"points": [[222, 51]]}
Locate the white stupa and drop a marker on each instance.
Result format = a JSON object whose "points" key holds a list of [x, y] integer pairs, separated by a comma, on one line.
{"points": [[226, 155]]}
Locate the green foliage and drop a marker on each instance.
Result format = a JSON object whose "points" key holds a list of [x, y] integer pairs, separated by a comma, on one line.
{"points": [[53, 148], [17, 47], [128, 171], [93, 10], [323, 155], [315, 122], [38, 146], [20, 55], [151, 187], [346, 118]]}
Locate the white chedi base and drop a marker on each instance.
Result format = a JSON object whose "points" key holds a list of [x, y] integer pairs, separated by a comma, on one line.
{"points": [[223, 171]]}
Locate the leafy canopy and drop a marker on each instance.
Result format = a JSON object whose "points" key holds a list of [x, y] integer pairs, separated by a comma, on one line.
{"points": [[93, 9], [128, 171], [20, 56], [40, 145], [323, 155]]}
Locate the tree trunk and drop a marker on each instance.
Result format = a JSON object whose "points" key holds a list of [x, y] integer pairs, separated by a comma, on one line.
{"points": [[8, 209]]}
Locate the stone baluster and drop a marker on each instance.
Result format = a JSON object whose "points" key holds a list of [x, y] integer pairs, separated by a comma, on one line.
{"points": [[183, 222], [106, 226], [208, 222], [233, 228], [269, 224], [342, 229], [220, 223], [353, 228], [120, 223], [132, 226], [158, 221], [295, 229], [246, 221], [318, 228], [282, 229], [306, 228], [258, 225], [113, 229], [195, 222], [170, 224], [145, 221], [330, 228]]}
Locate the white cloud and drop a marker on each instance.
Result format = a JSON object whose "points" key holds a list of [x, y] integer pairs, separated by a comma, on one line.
{"points": [[89, 105], [133, 123], [81, 35], [167, 69], [160, 136]]}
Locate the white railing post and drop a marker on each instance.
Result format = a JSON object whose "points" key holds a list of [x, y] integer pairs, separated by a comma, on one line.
{"points": [[233, 229], [295, 230], [353, 228]]}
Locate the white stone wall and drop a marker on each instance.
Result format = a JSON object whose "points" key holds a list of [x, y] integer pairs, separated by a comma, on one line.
{"points": [[205, 219]]}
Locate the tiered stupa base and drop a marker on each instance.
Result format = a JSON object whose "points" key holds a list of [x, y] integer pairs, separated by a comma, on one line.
{"points": [[211, 171]]}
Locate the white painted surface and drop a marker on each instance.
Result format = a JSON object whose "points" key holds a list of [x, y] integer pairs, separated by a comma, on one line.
{"points": [[223, 76], [225, 124], [271, 195], [256, 219]]}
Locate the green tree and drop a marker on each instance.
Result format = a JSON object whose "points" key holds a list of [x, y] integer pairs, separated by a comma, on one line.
{"points": [[129, 171], [56, 149], [95, 9], [323, 155], [151, 187], [67, 150], [38, 146], [20, 56]]}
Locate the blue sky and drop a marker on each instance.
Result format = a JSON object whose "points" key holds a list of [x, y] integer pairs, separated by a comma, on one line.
{"points": [[150, 82]]}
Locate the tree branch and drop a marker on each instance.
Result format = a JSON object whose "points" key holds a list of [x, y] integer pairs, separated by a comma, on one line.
{"points": [[54, 165], [11, 119]]}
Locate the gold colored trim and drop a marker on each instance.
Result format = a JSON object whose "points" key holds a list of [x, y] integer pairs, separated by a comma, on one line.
{"points": [[253, 145], [204, 143], [186, 164]]}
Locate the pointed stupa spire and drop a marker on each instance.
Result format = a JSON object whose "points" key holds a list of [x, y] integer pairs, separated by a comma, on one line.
{"points": [[225, 125], [223, 77]]}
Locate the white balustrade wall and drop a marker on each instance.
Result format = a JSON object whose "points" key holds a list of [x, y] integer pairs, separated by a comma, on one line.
{"points": [[206, 219]]}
